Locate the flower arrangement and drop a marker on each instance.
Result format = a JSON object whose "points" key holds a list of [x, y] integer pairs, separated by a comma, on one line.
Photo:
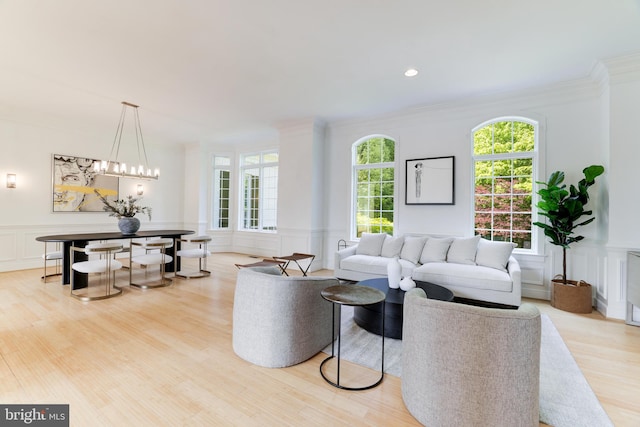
{"points": [[128, 207]]}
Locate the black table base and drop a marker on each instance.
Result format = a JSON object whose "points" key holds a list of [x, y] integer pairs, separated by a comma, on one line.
{"points": [[368, 317]]}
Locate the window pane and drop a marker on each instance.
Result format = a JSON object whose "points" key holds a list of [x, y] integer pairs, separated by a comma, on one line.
{"points": [[522, 185], [250, 159], [221, 161], [483, 203], [271, 157], [484, 169], [522, 221], [483, 221], [502, 137], [522, 239], [523, 137], [503, 168], [483, 141], [389, 151], [522, 203], [502, 204]]}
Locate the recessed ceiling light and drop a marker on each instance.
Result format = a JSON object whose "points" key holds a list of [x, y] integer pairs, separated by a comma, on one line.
{"points": [[411, 72]]}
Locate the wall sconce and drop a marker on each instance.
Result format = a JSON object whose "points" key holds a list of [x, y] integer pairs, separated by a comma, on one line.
{"points": [[140, 189], [11, 180]]}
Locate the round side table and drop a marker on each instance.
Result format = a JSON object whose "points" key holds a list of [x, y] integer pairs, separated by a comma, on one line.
{"points": [[352, 295]]}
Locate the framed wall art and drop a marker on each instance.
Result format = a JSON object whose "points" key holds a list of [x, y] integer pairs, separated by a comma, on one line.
{"points": [[430, 181], [74, 182]]}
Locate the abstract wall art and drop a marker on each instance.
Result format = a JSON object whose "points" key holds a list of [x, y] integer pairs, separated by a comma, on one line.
{"points": [[75, 182]]}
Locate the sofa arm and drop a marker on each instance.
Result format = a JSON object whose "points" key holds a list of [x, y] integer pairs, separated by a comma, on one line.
{"points": [[342, 254], [513, 268]]}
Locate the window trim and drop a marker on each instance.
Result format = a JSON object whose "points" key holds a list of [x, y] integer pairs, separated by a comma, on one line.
{"points": [[537, 170], [353, 227], [261, 165], [212, 195]]}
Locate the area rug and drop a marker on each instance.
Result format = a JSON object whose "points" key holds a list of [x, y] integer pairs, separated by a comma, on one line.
{"points": [[566, 399]]}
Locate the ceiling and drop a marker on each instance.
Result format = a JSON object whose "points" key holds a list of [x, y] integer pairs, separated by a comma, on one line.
{"points": [[224, 70]]}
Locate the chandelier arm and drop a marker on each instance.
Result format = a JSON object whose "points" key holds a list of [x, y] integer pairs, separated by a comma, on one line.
{"points": [[118, 137], [140, 142]]}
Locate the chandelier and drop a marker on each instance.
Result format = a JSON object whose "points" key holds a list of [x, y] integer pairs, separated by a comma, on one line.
{"points": [[112, 167]]}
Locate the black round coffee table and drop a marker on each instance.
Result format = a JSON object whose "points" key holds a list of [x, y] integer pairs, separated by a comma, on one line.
{"points": [[368, 317]]}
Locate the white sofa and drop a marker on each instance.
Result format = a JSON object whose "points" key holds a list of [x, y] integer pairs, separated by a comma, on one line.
{"points": [[471, 268]]}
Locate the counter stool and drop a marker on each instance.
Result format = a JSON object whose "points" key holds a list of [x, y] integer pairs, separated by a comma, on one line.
{"points": [[155, 255], [55, 256], [106, 266], [196, 248]]}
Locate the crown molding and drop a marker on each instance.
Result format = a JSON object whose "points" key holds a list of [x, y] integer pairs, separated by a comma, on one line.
{"points": [[514, 101], [623, 69]]}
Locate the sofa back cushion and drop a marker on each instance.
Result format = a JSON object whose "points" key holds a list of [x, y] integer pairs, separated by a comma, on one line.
{"points": [[494, 254], [463, 250], [412, 248], [392, 247], [370, 244], [435, 250]]}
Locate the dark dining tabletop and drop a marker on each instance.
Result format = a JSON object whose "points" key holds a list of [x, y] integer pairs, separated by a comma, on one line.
{"points": [[81, 240]]}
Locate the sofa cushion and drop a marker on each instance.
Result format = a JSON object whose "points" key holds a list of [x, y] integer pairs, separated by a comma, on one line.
{"points": [[374, 265], [412, 248], [494, 254], [435, 250], [461, 275], [368, 263], [463, 250], [392, 247], [370, 244]]}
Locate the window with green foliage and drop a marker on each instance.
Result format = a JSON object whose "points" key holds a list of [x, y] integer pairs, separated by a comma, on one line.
{"points": [[221, 188], [259, 180], [504, 157], [373, 186]]}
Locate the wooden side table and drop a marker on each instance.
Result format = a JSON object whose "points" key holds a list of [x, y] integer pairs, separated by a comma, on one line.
{"points": [[264, 263], [295, 258], [352, 295]]}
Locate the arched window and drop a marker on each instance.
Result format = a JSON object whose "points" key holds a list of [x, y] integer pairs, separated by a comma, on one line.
{"points": [[504, 165], [374, 190]]}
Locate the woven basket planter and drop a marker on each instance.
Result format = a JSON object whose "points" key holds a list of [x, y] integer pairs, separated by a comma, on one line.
{"points": [[574, 297]]}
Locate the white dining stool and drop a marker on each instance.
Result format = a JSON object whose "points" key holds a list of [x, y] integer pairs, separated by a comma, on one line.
{"points": [[104, 265], [53, 256], [194, 248], [155, 254]]}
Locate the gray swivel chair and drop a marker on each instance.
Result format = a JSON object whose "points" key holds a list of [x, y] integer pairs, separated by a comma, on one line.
{"points": [[470, 366], [280, 321]]}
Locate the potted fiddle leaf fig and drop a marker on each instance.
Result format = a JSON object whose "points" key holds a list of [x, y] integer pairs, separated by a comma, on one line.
{"points": [[565, 211]]}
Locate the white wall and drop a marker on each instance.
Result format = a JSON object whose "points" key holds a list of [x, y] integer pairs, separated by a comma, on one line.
{"points": [[27, 210]]}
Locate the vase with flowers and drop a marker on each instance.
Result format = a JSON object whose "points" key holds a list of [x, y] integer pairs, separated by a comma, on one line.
{"points": [[125, 210]]}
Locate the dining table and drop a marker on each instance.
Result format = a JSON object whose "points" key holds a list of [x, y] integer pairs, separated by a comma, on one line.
{"points": [[81, 239]]}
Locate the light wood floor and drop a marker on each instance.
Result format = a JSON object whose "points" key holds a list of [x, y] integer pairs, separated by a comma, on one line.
{"points": [[163, 357]]}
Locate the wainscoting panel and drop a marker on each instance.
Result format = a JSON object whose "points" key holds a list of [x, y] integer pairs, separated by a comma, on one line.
{"points": [[8, 247]]}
